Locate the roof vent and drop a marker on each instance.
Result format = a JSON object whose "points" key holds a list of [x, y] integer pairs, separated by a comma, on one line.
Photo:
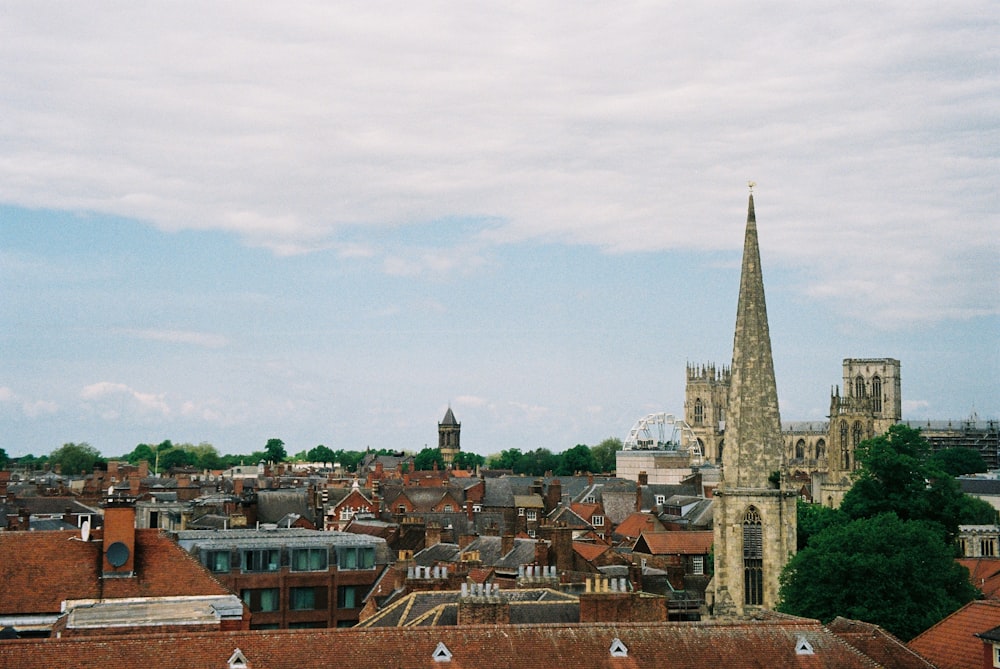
{"points": [[441, 653], [803, 647], [238, 661], [618, 649]]}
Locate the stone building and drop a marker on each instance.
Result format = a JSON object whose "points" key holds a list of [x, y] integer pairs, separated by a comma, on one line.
{"points": [[755, 514], [449, 438]]}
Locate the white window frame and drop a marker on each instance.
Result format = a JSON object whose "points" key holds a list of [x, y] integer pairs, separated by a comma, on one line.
{"points": [[520, 510], [597, 521], [531, 514], [698, 565]]}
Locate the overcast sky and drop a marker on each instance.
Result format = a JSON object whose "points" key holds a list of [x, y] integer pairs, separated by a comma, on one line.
{"points": [[326, 222]]}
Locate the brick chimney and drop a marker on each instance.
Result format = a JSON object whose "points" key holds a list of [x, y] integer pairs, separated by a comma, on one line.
{"points": [[553, 496], [143, 469], [542, 553], [643, 478], [483, 608], [238, 487], [506, 543], [432, 535], [119, 536]]}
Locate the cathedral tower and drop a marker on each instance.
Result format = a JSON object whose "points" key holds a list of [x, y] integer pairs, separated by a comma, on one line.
{"points": [[705, 397], [754, 517], [449, 438]]}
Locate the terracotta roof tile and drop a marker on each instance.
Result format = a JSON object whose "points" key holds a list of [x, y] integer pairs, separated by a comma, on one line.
{"points": [[675, 645], [952, 644], [675, 543], [41, 569]]}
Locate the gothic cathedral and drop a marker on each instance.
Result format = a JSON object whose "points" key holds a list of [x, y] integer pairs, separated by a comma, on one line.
{"points": [[755, 513]]}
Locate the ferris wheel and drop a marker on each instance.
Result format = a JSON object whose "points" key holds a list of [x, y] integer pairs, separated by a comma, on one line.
{"points": [[662, 431]]}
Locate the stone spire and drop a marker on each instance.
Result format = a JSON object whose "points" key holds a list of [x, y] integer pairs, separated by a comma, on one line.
{"points": [[753, 447]]}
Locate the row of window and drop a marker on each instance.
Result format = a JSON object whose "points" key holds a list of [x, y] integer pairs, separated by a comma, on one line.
{"points": [[263, 600], [299, 559]]}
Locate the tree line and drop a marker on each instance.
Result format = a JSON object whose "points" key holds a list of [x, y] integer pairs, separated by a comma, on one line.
{"points": [[81, 458]]}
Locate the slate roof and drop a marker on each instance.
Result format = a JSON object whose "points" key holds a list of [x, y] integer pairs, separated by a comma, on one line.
{"points": [[951, 643], [440, 608], [765, 643], [273, 505], [41, 569]]}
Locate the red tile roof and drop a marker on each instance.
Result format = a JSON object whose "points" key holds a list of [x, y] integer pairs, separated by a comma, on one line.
{"points": [[739, 645], [637, 523], [878, 644], [41, 569], [984, 573], [952, 644], [675, 543], [588, 551]]}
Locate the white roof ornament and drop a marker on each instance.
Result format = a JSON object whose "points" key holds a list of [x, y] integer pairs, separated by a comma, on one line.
{"points": [[238, 661], [618, 649], [441, 653], [803, 647]]}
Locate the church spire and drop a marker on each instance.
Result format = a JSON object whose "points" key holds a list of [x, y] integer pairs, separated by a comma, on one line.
{"points": [[753, 426]]}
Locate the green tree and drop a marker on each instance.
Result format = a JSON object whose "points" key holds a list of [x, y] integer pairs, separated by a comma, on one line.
{"points": [[427, 458], [814, 518], [3, 459], [505, 459], [604, 454], [468, 460], [537, 462], [578, 459], [896, 475], [275, 450], [898, 574], [141, 452], [321, 454], [76, 458], [173, 457], [958, 461], [204, 456]]}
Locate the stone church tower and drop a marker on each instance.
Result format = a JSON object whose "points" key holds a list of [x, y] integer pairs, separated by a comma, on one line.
{"points": [[754, 515], [870, 403], [705, 396], [449, 438]]}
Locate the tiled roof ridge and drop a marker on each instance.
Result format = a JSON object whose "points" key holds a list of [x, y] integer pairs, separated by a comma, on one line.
{"points": [[868, 629], [991, 602]]}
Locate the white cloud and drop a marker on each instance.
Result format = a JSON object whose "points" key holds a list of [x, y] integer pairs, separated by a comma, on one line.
{"points": [[296, 129], [112, 401]]}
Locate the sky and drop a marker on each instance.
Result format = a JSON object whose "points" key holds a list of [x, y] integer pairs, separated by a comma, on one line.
{"points": [[329, 222]]}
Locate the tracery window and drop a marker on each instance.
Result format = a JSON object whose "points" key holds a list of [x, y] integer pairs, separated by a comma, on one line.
{"points": [[876, 393], [800, 449], [844, 453], [699, 412], [753, 558], [859, 386]]}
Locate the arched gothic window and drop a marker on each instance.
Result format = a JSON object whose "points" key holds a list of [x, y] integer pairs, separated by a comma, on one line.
{"points": [[859, 386], [753, 559], [845, 454], [800, 449], [820, 449], [857, 433], [699, 412], [722, 444], [876, 394]]}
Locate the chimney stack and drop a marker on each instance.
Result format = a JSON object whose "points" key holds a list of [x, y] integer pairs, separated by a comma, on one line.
{"points": [[119, 536]]}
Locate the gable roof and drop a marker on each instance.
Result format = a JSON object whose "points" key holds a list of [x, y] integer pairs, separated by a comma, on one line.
{"points": [[674, 543], [878, 644], [676, 645], [588, 551], [984, 573], [40, 570], [951, 643], [637, 523]]}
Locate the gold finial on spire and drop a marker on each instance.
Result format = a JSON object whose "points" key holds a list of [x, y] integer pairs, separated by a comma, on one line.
{"points": [[750, 185]]}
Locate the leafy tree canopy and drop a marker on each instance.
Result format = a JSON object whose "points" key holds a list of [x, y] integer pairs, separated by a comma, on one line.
{"points": [[578, 459], [958, 461], [897, 476], [898, 574], [468, 460], [275, 450], [427, 458], [3, 458], [321, 453], [604, 454], [76, 458], [537, 462], [505, 459], [814, 518]]}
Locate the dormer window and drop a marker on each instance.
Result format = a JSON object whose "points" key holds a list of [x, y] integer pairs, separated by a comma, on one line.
{"points": [[441, 653], [532, 514], [803, 647], [597, 521], [477, 508], [661, 499], [618, 649], [520, 510], [237, 660]]}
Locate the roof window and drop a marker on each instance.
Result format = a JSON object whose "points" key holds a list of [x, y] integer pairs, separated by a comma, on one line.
{"points": [[618, 649], [238, 661], [441, 653], [803, 647]]}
